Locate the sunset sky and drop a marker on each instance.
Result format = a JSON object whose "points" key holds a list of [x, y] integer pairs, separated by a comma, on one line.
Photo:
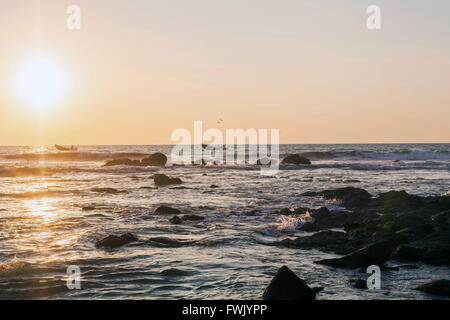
{"points": [[139, 69]]}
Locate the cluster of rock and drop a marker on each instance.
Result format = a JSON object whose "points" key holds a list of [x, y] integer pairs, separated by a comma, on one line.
{"points": [[393, 224], [157, 159]]}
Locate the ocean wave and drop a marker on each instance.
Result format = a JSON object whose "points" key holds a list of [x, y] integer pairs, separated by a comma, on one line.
{"points": [[73, 156], [373, 155]]}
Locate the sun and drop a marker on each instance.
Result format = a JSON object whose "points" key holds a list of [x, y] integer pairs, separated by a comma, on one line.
{"points": [[40, 83]]}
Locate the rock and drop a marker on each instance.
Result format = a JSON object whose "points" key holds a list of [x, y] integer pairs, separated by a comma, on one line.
{"points": [[122, 162], [192, 217], [324, 240], [350, 197], [157, 159], [166, 210], [284, 212], [88, 208], [295, 159], [397, 201], [324, 219], [114, 241], [409, 253], [107, 190], [213, 186], [162, 180], [316, 290], [432, 249], [359, 283], [175, 220], [374, 254], [437, 287], [285, 285]]}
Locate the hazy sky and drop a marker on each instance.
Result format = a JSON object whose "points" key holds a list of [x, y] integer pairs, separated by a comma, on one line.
{"points": [[139, 69]]}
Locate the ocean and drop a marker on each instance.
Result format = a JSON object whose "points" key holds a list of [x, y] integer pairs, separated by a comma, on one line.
{"points": [[55, 205]]}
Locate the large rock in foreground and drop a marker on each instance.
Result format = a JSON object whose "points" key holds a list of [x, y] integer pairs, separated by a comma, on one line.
{"points": [[161, 180], [295, 159], [374, 254], [350, 197], [114, 241], [157, 159], [437, 287], [285, 285]]}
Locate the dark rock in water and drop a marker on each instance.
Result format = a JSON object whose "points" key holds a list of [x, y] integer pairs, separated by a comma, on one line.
{"points": [[324, 219], [316, 290], [114, 241], [374, 254], [166, 210], [172, 272], [285, 285], [213, 186], [350, 197], [359, 283], [324, 240], [432, 249], [89, 208], [157, 159], [175, 220], [284, 212], [409, 253], [295, 159], [122, 162], [162, 180], [437, 287], [397, 201], [107, 190], [192, 217]]}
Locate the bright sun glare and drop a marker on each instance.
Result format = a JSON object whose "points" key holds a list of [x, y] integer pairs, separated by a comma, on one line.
{"points": [[40, 83]]}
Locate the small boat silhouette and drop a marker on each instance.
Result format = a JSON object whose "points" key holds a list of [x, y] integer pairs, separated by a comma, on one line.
{"points": [[61, 148]]}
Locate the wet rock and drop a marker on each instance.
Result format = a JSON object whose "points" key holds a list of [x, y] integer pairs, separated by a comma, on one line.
{"points": [[107, 190], [374, 254], [161, 180], [397, 201], [350, 197], [172, 272], [316, 290], [295, 159], [432, 249], [285, 285], [359, 283], [324, 219], [284, 212], [437, 287], [157, 159], [166, 210], [192, 217], [213, 186], [114, 241], [334, 241], [175, 220], [122, 162]]}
